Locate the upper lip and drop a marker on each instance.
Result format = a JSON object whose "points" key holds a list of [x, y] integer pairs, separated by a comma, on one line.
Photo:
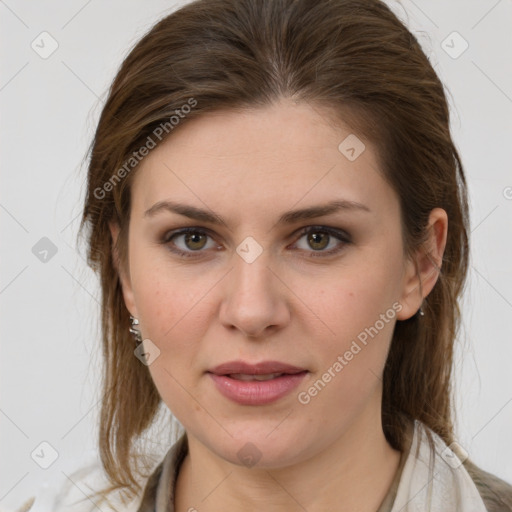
{"points": [[262, 368]]}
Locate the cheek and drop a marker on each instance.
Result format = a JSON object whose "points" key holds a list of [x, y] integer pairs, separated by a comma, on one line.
{"points": [[351, 355], [158, 299], [354, 301], [175, 313], [170, 317], [360, 311], [165, 310]]}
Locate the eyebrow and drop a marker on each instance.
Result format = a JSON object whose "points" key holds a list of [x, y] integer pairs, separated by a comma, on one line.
{"points": [[289, 217]]}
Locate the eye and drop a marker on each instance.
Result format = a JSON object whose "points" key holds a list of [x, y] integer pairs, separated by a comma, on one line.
{"points": [[319, 238], [193, 240], [190, 242]]}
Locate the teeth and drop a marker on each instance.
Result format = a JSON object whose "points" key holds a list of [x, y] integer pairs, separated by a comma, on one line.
{"points": [[242, 376]]}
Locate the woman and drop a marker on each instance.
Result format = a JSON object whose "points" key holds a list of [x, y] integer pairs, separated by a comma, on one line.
{"points": [[279, 218]]}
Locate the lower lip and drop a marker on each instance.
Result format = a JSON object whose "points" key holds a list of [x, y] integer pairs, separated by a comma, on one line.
{"points": [[256, 392]]}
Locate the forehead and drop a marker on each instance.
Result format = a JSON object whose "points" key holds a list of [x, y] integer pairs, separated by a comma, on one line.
{"points": [[260, 158]]}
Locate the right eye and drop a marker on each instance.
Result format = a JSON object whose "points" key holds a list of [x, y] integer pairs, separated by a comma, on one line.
{"points": [[193, 240]]}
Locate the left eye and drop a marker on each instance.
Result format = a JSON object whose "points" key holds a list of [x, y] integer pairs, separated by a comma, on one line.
{"points": [[318, 238]]}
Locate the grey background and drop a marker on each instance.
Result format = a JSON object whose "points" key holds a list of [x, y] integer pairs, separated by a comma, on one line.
{"points": [[49, 309]]}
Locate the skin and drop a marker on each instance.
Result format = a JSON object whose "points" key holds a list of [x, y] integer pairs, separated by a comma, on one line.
{"points": [[250, 167]]}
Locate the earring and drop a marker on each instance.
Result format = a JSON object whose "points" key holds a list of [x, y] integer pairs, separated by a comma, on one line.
{"points": [[421, 312], [134, 330]]}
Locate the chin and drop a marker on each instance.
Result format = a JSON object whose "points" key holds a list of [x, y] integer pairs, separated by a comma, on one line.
{"points": [[261, 447]]}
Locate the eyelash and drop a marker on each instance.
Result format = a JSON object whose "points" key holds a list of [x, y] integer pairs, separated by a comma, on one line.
{"points": [[336, 233]]}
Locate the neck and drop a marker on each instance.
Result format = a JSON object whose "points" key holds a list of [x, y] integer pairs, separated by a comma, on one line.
{"points": [[352, 474]]}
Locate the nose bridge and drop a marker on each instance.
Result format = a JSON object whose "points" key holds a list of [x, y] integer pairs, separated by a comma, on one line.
{"points": [[251, 273], [251, 276], [253, 299]]}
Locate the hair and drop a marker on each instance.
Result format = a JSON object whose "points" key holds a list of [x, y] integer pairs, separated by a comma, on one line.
{"points": [[359, 62]]}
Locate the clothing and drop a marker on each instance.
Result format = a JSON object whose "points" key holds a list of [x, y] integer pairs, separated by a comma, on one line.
{"points": [[426, 480], [389, 499]]}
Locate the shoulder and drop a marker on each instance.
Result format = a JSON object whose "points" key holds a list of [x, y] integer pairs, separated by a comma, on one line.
{"points": [[79, 491], [492, 492], [495, 492]]}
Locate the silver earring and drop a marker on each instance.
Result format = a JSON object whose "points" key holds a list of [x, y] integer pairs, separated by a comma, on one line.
{"points": [[134, 330], [421, 312]]}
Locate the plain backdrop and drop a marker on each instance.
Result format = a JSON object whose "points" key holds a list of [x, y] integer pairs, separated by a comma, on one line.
{"points": [[49, 298]]}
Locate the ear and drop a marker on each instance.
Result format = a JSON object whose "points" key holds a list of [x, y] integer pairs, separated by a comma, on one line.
{"points": [[124, 276], [421, 274]]}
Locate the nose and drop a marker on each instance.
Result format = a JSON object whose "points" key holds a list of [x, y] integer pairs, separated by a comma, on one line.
{"points": [[255, 299]]}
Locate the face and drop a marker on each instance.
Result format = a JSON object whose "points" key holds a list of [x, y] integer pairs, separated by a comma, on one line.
{"points": [[319, 292]]}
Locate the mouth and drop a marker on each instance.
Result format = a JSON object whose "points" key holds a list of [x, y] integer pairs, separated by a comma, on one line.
{"points": [[256, 384], [261, 378], [264, 369]]}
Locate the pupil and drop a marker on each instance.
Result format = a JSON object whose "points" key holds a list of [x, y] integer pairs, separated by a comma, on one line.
{"points": [[315, 239], [194, 239]]}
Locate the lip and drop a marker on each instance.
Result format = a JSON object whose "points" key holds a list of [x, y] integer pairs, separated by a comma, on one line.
{"points": [[261, 368], [256, 392]]}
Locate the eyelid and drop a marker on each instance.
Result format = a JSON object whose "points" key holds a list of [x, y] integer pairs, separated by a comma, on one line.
{"points": [[335, 232]]}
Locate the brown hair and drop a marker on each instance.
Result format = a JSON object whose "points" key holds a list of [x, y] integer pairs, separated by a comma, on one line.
{"points": [[352, 57]]}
